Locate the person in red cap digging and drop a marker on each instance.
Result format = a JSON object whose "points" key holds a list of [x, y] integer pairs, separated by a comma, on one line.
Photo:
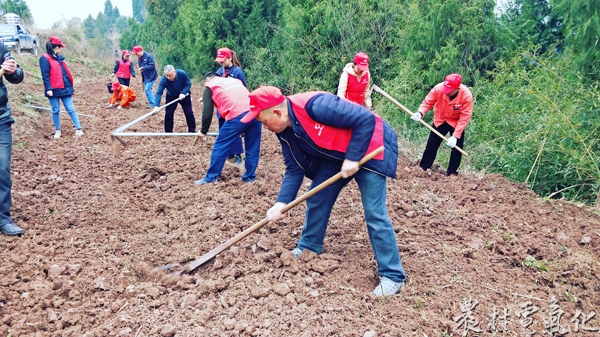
{"points": [[124, 69], [354, 82], [231, 67], [58, 84], [123, 95], [230, 96], [452, 105], [321, 135], [147, 68]]}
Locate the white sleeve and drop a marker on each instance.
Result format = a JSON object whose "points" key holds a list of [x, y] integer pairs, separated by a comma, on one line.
{"points": [[343, 85]]}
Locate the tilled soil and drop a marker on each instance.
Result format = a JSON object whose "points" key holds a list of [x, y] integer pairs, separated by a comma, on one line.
{"points": [[98, 222]]}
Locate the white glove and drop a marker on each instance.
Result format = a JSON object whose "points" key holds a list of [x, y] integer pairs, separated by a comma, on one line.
{"points": [[416, 116], [109, 106], [452, 142]]}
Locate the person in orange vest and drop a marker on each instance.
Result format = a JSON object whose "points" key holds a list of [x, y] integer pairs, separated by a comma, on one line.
{"points": [[354, 82], [122, 94], [124, 69], [322, 135], [452, 104], [230, 96]]}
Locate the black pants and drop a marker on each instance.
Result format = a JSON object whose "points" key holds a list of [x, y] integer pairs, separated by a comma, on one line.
{"points": [[186, 104], [124, 81], [433, 144]]}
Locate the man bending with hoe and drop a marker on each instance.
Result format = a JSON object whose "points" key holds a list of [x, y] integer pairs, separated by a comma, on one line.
{"points": [[321, 135], [452, 104]]}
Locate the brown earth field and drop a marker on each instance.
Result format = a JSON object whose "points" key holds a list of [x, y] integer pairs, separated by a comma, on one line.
{"points": [[481, 253]]}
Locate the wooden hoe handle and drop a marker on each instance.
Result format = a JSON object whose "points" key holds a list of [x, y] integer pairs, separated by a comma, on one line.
{"points": [[206, 257], [379, 90]]}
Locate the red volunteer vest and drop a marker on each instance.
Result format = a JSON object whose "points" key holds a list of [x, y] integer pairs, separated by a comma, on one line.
{"points": [[124, 69], [328, 137], [355, 92], [56, 78], [230, 96]]}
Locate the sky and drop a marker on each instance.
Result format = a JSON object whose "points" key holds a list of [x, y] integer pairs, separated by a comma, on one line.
{"points": [[47, 12]]}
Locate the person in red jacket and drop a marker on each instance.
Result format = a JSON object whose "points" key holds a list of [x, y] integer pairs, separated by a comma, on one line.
{"points": [[230, 96], [322, 135], [124, 69], [452, 104], [58, 84], [122, 94], [354, 82]]}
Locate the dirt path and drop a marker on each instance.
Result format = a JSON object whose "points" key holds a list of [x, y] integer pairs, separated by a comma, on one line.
{"points": [[97, 223]]}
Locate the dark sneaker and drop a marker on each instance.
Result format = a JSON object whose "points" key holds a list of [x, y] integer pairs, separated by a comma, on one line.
{"points": [[11, 229], [387, 287]]}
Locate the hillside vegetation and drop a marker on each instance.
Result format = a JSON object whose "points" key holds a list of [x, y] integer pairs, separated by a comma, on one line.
{"points": [[532, 67]]}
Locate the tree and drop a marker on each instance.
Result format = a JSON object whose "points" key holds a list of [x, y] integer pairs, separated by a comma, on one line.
{"points": [[139, 10], [453, 36], [581, 29], [89, 27], [531, 22]]}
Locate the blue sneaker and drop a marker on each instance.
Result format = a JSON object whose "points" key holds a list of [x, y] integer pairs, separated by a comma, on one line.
{"points": [[387, 287], [11, 229], [203, 181], [297, 251]]}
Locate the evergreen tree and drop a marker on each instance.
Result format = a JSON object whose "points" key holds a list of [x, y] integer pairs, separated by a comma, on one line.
{"points": [[89, 27], [454, 36], [531, 23], [139, 10], [581, 29]]}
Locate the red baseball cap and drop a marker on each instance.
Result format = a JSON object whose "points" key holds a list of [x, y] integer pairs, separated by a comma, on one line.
{"points": [[137, 49], [451, 82], [223, 54], [125, 52], [361, 59], [262, 98], [115, 85], [56, 41]]}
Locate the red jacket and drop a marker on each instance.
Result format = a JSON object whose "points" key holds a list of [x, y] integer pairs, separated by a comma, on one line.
{"points": [[456, 112], [328, 137], [230, 96], [56, 78], [123, 71]]}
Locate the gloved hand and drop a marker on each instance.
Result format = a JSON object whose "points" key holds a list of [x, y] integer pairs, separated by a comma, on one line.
{"points": [[416, 116], [109, 106], [119, 107], [181, 97], [452, 142]]}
